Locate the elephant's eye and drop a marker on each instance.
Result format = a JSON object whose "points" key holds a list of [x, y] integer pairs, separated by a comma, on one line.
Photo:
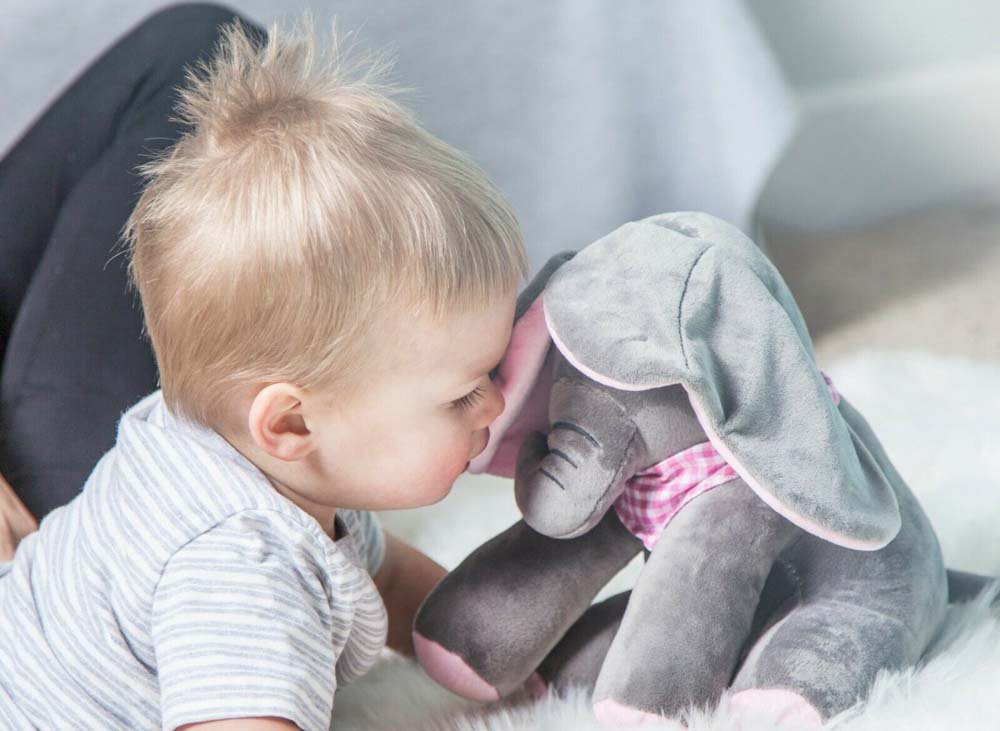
{"points": [[470, 399]]}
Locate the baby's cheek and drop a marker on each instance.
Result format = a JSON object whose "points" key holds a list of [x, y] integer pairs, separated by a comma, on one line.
{"points": [[450, 461], [433, 481]]}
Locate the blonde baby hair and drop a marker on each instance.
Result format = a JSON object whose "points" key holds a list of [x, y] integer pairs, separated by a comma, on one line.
{"points": [[301, 208]]}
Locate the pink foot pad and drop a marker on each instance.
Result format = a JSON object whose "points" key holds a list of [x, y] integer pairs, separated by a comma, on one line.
{"points": [[536, 687], [613, 715], [448, 669], [783, 707]]}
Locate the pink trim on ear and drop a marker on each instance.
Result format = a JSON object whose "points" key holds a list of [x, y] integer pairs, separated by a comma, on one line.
{"points": [[807, 524], [834, 393], [518, 379], [589, 372]]}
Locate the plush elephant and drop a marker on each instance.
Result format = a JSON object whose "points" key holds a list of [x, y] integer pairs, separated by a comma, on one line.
{"points": [[681, 411]]}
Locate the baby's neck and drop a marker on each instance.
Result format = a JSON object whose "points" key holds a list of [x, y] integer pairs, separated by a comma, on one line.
{"points": [[324, 514]]}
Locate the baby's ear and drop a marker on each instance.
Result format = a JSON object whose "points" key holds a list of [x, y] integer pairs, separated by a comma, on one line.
{"points": [[276, 422]]}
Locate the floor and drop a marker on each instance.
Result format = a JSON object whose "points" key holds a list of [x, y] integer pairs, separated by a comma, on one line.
{"points": [[927, 281]]}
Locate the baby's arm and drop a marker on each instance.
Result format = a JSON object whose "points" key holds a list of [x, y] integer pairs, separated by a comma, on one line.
{"points": [[405, 578], [243, 627], [242, 724]]}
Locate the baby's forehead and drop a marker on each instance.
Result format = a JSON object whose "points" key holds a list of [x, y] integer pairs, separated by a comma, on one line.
{"points": [[431, 350], [458, 347]]}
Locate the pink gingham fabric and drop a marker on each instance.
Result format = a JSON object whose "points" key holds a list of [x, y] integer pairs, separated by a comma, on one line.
{"points": [[654, 496]]}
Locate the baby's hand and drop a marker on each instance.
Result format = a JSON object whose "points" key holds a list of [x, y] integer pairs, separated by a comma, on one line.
{"points": [[15, 521]]}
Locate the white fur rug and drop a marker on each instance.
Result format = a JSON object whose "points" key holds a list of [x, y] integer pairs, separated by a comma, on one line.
{"points": [[939, 419]]}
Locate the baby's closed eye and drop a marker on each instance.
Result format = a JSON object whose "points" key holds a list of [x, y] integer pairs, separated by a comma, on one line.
{"points": [[470, 399]]}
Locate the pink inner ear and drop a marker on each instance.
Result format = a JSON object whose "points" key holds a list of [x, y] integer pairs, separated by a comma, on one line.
{"points": [[526, 393]]}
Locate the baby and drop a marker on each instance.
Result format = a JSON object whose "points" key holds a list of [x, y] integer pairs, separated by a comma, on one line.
{"points": [[326, 287]]}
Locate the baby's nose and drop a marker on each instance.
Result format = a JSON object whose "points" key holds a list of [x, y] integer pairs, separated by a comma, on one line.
{"points": [[493, 407]]}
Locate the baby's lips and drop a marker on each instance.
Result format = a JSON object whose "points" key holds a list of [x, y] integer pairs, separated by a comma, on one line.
{"points": [[482, 448], [478, 458]]}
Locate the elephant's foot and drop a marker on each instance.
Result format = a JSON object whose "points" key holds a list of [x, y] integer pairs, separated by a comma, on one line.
{"points": [[536, 686], [783, 708], [491, 622], [451, 671], [614, 715]]}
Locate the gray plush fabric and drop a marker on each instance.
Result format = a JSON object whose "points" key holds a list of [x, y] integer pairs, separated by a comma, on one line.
{"points": [[508, 604], [599, 437], [686, 298], [648, 321]]}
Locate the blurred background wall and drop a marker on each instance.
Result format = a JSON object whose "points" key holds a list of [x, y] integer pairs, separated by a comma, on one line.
{"points": [[882, 212], [899, 108], [586, 113], [856, 140]]}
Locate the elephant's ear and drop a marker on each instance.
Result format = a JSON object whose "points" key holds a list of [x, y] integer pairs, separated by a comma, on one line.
{"points": [[686, 298], [522, 380]]}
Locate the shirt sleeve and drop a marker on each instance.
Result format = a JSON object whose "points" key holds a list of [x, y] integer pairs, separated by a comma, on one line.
{"points": [[368, 536], [242, 626]]}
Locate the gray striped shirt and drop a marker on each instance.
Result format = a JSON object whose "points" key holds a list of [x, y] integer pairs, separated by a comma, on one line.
{"points": [[179, 586]]}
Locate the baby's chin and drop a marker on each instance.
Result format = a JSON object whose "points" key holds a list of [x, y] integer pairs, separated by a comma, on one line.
{"points": [[433, 489], [414, 499], [440, 491], [438, 495]]}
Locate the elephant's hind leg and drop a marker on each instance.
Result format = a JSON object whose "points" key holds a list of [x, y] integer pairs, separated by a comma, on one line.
{"points": [[860, 613], [817, 661]]}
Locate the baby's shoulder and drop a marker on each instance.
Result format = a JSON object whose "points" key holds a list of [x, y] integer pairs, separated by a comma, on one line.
{"points": [[260, 535], [168, 485]]}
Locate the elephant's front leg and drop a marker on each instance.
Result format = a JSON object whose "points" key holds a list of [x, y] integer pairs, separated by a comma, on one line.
{"points": [[490, 622], [692, 608]]}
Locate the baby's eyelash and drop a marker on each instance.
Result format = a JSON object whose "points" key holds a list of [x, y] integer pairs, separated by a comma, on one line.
{"points": [[470, 399]]}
